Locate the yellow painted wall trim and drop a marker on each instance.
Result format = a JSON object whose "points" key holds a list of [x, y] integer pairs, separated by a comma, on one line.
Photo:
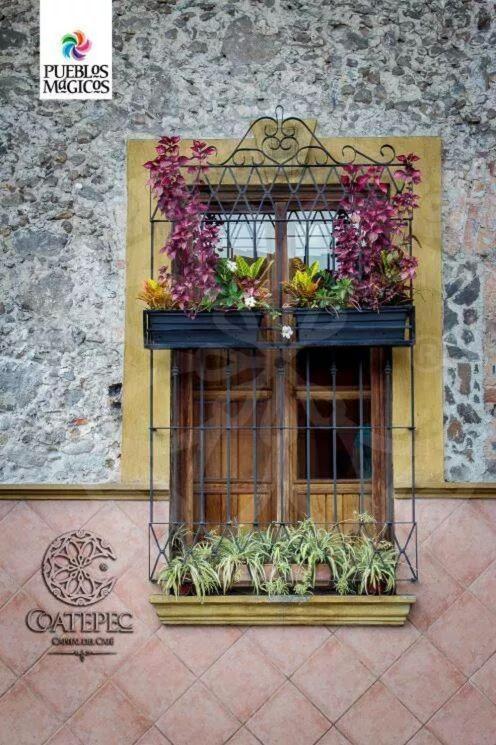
{"points": [[251, 610], [450, 490], [140, 492], [428, 351], [78, 491]]}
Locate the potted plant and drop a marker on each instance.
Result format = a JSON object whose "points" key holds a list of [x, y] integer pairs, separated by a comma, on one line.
{"points": [[283, 560], [202, 300], [230, 315], [367, 299]]}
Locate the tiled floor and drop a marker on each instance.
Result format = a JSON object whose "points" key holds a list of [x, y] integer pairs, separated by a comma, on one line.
{"points": [[431, 682]]}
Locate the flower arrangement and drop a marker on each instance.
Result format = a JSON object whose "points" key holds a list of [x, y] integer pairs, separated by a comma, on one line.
{"points": [[283, 561], [371, 235]]}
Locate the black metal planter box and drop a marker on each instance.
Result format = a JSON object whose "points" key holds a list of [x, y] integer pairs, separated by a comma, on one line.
{"points": [[215, 329], [392, 326]]}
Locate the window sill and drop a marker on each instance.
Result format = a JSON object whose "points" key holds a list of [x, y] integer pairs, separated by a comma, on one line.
{"points": [[317, 610]]}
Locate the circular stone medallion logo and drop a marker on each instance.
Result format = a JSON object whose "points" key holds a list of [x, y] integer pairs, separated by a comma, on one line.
{"points": [[75, 46], [74, 568]]}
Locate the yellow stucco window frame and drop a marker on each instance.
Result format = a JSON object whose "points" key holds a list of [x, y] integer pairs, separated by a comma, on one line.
{"points": [[428, 356]]}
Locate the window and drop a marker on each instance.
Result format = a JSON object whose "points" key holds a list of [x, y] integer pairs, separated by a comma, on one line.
{"points": [[273, 434]]}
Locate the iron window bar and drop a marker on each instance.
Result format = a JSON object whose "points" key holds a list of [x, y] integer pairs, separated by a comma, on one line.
{"points": [[267, 186]]}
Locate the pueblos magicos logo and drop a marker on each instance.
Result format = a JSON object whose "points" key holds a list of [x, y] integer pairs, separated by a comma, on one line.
{"points": [[75, 45], [75, 50]]}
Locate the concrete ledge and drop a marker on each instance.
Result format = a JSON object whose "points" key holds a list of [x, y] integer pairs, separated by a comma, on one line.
{"points": [[316, 610]]}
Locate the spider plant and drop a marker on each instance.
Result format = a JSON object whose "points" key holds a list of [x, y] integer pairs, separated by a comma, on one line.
{"points": [[376, 563], [192, 566]]}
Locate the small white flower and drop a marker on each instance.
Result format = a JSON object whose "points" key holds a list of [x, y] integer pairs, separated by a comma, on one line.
{"points": [[286, 332], [231, 265], [250, 301]]}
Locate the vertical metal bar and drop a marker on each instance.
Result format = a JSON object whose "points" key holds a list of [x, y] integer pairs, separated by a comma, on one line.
{"points": [[228, 240], [174, 476], [152, 247], [389, 454], [334, 439], [228, 436], [307, 242], [360, 415], [202, 437], [151, 433], [307, 430], [281, 427], [256, 501], [255, 238], [412, 427]]}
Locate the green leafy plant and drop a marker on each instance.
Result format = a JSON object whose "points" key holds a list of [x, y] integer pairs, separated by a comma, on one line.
{"points": [[313, 287], [283, 559], [193, 566], [241, 284], [376, 563]]}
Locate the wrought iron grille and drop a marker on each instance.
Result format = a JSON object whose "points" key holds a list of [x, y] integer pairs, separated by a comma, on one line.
{"points": [[281, 431]]}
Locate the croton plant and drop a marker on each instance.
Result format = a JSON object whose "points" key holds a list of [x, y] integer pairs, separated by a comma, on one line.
{"points": [[373, 265]]}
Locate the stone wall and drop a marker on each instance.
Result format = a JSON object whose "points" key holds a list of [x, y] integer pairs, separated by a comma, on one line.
{"points": [[204, 68]]}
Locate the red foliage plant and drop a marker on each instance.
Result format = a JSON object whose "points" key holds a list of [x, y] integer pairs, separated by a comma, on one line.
{"points": [[371, 232], [371, 229], [192, 241]]}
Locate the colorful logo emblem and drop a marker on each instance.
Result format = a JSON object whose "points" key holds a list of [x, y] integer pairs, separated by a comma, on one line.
{"points": [[75, 46]]}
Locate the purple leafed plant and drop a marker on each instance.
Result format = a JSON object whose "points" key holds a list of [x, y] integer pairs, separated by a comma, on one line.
{"points": [[371, 232], [192, 241]]}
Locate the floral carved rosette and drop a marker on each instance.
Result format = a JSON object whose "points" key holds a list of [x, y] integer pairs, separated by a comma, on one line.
{"points": [[74, 568]]}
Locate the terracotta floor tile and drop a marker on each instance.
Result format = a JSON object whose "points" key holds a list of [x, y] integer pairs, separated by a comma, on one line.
{"points": [[24, 719], [435, 591], [318, 677], [153, 678], [485, 679], [424, 737], [429, 513], [197, 717], [288, 718], [423, 679], [64, 682], [134, 589], [153, 737], [378, 647], [243, 678], [20, 647], [288, 646], [466, 633], [65, 515], [127, 540], [334, 737], [24, 538], [64, 737], [199, 646], [109, 719], [7, 678], [468, 718], [243, 737], [484, 587], [465, 544], [378, 718], [6, 505], [139, 511], [8, 587]]}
